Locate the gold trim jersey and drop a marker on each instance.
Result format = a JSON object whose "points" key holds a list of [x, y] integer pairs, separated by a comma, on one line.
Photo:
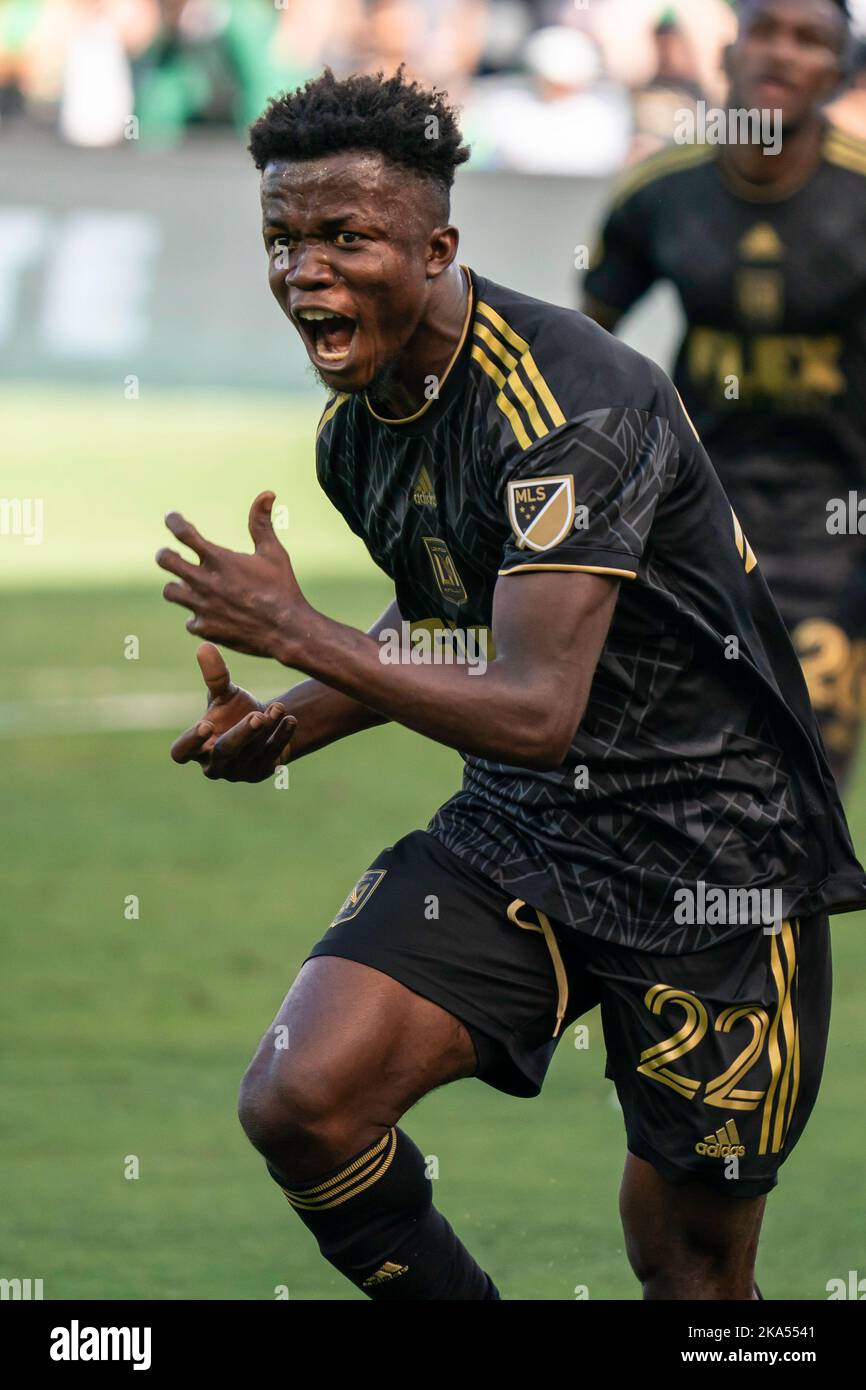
{"points": [[551, 445]]}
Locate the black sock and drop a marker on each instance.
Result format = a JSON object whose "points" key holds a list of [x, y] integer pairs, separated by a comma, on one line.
{"points": [[375, 1222]]}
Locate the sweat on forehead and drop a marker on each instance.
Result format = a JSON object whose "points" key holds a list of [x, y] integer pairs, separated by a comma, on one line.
{"points": [[362, 179]]}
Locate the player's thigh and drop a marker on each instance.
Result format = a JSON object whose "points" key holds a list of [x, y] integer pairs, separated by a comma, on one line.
{"points": [[685, 1225], [434, 979], [349, 1042]]}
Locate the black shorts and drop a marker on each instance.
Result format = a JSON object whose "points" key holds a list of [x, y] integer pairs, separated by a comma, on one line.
{"points": [[716, 1056]]}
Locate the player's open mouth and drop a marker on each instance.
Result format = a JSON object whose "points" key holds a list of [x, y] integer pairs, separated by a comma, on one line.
{"points": [[774, 85], [328, 335]]}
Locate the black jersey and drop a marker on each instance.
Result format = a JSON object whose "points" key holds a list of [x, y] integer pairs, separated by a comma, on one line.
{"points": [[551, 445], [773, 364]]}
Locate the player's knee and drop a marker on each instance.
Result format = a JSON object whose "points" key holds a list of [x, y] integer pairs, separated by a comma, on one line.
{"points": [[690, 1262], [290, 1107]]}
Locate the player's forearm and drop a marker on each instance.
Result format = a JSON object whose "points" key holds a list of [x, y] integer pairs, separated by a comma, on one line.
{"points": [[325, 715], [497, 715]]}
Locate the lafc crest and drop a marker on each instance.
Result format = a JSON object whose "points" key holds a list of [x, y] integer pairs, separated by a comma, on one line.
{"points": [[541, 510], [366, 885]]}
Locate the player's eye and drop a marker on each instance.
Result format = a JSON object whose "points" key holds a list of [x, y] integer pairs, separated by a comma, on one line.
{"points": [[811, 39], [347, 238]]}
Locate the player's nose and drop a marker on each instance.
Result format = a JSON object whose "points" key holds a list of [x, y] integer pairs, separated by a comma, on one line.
{"points": [[310, 269]]}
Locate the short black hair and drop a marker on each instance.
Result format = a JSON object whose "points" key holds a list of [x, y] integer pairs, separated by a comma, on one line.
{"points": [[410, 125], [846, 46], [840, 5]]}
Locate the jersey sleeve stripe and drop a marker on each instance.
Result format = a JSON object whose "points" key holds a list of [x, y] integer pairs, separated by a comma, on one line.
{"points": [[527, 361], [522, 394], [666, 162], [498, 321], [508, 410], [532, 394], [551, 404], [844, 138], [497, 348], [582, 569], [847, 156], [490, 368]]}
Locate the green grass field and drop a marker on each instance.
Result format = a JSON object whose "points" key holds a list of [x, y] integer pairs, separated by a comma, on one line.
{"points": [[128, 1037]]}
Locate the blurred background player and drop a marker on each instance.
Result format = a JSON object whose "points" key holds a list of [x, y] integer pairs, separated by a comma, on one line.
{"points": [[768, 256]]}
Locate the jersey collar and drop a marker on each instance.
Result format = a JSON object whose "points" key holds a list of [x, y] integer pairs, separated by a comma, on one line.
{"points": [[750, 193], [450, 384]]}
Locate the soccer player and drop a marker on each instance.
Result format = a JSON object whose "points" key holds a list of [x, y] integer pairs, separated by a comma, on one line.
{"points": [[768, 255], [641, 761]]}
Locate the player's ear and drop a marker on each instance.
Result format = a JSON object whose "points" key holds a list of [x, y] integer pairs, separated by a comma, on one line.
{"points": [[441, 250]]}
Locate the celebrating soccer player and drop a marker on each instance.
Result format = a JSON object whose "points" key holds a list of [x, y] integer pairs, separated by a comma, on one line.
{"points": [[643, 773], [768, 254]]}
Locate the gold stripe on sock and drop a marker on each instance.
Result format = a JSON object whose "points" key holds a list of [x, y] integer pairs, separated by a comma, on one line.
{"points": [[357, 1176], [343, 1173]]}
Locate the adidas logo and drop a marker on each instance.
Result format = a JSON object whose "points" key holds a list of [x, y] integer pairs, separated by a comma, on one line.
{"points": [[424, 496], [725, 1143], [387, 1271]]}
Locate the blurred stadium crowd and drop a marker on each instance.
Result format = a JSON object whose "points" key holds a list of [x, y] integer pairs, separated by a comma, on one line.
{"points": [[577, 87]]}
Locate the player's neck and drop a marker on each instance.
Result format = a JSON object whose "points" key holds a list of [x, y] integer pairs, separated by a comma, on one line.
{"points": [[429, 352], [750, 171]]}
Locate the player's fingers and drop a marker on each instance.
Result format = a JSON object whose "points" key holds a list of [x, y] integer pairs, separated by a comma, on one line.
{"points": [[273, 714], [284, 755], [282, 734], [216, 674], [186, 532], [191, 742], [229, 744], [242, 744], [179, 593], [260, 524], [175, 564]]}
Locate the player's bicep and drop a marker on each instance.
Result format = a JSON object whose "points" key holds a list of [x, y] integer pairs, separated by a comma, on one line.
{"points": [[549, 629]]}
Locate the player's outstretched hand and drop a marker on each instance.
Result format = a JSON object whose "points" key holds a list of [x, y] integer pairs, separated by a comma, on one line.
{"points": [[251, 603], [239, 739]]}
